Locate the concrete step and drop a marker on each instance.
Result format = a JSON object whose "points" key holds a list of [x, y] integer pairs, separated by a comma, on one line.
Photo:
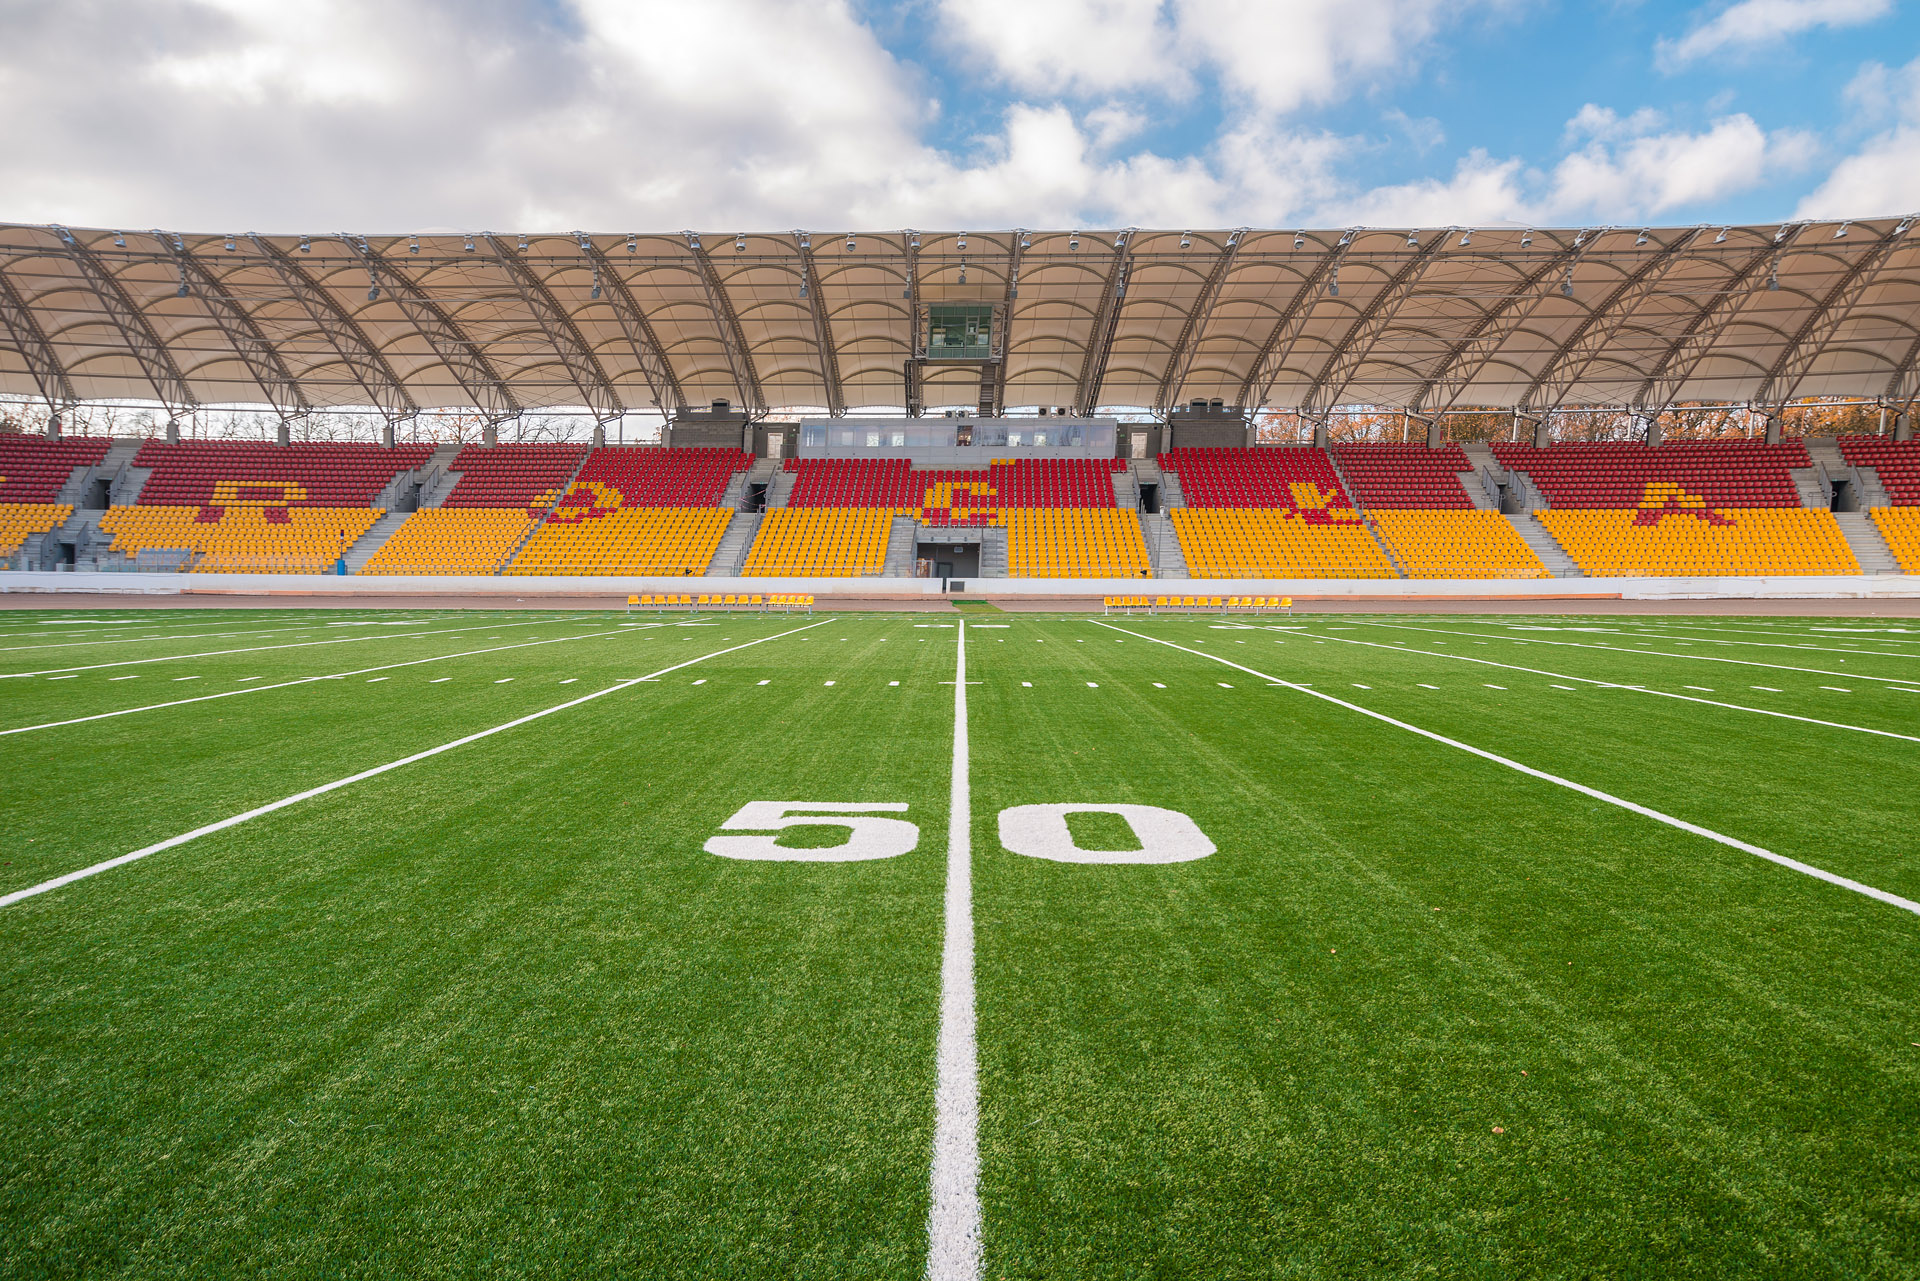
{"points": [[781, 489], [731, 554], [1126, 491], [993, 553], [373, 540], [1544, 545], [437, 480], [1812, 486], [1868, 544], [901, 535], [1163, 546], [1170, 495], [1479, 490]]}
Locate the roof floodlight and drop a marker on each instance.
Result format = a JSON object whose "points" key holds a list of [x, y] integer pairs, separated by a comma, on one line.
{"points": [[1026, 239], [961, 243], [1347, 239], [523, 242], [1120, 241], [1234, 239], [181, 292], [1526, 239], [1073, 241], [1466, 238], [373, 293], [119, 240], [1842, 233], [913, 238], [1722, 237], [306, 245], [693, 240], [1773, 276], [1640, 239], [963, 273], [806, 239], [1186, 240], [739, 242], [1333, 283], [584, 241], [469, 243], [1906, 224], [633, 243], [1413, 240], [229, 244], [413, 244], [1299, 240], [850, 244], [1566, 283], [595, 294]]}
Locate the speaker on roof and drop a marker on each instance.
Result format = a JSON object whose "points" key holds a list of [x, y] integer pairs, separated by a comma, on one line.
{"points": [[721, 406], [1216, 405]]}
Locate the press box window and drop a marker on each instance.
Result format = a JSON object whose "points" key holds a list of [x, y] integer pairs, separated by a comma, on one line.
{"points": [[959, 331]]}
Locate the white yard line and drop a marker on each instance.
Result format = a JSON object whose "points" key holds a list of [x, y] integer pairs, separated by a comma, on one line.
{"points": [[9, 900], [137, 640], [304, 680], [1638, 689], [1670, 638], [1647, 653], [258, 649], [954, 1246], [1806, 869]]}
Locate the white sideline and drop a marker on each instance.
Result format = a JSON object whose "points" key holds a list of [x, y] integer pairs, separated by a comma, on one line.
{"points": [[304, 680], [8, 900], [1806, 869], [1487, 637], [141, 640], [954, 1248], [260, 649], [1638, 689]]}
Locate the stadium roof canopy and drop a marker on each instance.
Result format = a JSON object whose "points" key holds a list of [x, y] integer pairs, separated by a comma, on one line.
{"points": [[1425, 319]]}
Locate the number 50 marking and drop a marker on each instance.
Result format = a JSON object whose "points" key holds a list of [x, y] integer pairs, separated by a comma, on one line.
{"points": [[1037, 831]]}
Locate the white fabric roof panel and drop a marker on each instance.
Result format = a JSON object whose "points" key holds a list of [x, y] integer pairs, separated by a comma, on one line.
{"points": [[1423, 318]]}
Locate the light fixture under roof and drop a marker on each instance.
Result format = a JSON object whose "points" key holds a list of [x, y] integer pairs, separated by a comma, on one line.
{"points": [[1073, 241], [523, 242], [306, 245], [1842, 233], [1333, 282], [739, 242], [1466, 238], [850, 244], [1413, 240], [1640, 239], [633, 243], [913, 238], [1722, 237], [595, 293], [469, 243], [1526, 239], [1299, 240], [229, 244], [413, 244], [1026, 239], [963, 271], [1186, 240], [961, 243], [181, 292], [119, 240], [1566, 283], [373, 293]]}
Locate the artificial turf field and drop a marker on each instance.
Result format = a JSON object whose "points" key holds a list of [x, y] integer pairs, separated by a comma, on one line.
{"points": [[497, 1011]]}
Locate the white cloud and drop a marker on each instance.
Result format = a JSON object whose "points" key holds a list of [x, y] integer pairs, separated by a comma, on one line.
{"points": [[1593, 121], [1424, 132], [1277, 55], [1883, 175], [1652, 174], [1750, 24]]}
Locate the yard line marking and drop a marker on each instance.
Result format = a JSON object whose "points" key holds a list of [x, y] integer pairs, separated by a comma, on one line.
{"points": [[770, 682], [1683, 825], [1358, 685], [1156, 685], [134, 640], [238, 679], [63, 678], [375, 680], [1836, 689], [570, 680], [1026, 684], [219, 653], [1223, 685], [953, 1219], [1093, 684], [1818, 649], [1641, 689], [1655, 653], [504, 679], [1426, 686], [1704, 689], [182, 678], [1569, 688], [1495, 686], [436, 680], [8, 900], [890, 684], [701, 681], [1764, 688], [304, 680], [829, 682]]}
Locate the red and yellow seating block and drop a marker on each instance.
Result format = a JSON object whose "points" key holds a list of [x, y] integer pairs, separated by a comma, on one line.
{"points": [[243, 537], [1278, 542], [1696, 540], [655, 541], [1900, 526], [20, 521]]}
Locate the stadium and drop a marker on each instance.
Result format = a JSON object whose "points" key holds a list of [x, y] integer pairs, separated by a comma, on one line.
{"points": [[1264, 814]]}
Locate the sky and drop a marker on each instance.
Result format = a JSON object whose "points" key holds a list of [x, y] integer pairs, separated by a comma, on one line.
{"points": [[632, 115]]}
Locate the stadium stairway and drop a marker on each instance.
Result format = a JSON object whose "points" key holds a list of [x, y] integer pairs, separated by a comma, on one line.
{"points": [[437, 481], [781, 489], [1163, 546], [731, 554], [993, 552], [1480, 493], [1544, 545], [1126, 491], [373, 540], [901, 537], [1869, 547], [1170, 495], [1868, 492], [1812, 484]]}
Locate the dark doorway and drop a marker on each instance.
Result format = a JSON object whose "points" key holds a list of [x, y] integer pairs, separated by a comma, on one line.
{"points": [[98, 495], [756, 498], [1843, 500], [1150, 499], [952, 560]]}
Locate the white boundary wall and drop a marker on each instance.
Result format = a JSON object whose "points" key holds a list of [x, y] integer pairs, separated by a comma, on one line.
{"points": [[1807, 587]]}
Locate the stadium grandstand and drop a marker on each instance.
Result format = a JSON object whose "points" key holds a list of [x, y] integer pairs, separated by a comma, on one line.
{"points": [[1041, 405]]}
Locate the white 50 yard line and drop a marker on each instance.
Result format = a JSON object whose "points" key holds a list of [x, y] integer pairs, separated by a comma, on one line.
{"points": [[9, 900], [1806, 869], [260, 649], [308, 680], [1637, 689], [954, 1249]]}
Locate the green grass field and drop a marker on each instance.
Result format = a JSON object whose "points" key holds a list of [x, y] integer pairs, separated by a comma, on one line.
{"points": [[497, 1011]]}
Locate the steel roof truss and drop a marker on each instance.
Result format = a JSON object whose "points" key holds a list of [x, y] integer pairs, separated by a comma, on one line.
{"points": [[582, 364], [647, 351], [459, 353], [25, 336], [1093, 363], [1274, 352], [1796, 359], [262, 359], [1596, 331], [143, 343], [822, 329], [1354, 350], [739, 357], [350, 343], [1194, 330]]}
